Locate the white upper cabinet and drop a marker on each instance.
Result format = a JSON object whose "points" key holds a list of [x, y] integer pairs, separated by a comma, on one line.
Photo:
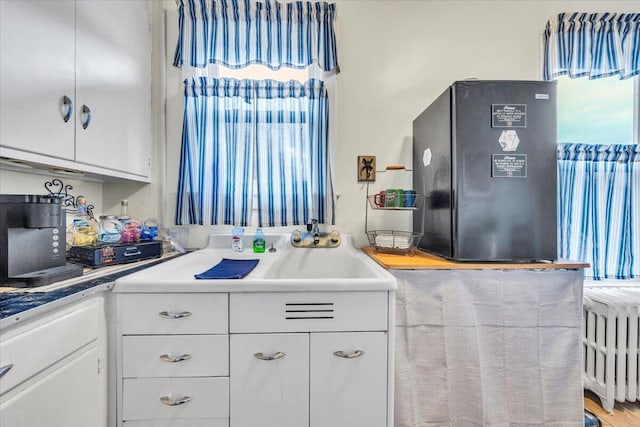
{"points": [[113, 82], [76, 85], [37, 56]]}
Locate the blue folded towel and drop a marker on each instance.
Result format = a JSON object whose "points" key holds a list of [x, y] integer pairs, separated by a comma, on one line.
{"points": [[229, 269]]}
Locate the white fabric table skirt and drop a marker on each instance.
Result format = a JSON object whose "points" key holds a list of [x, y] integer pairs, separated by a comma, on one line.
{"points": [[488, 348]]}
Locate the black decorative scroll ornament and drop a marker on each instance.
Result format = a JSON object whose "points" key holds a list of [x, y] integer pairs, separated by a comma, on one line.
{"points": [[57, 188]]}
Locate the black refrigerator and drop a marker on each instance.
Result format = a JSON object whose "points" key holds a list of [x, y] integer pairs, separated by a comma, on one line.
{"points": [[484, 157]]}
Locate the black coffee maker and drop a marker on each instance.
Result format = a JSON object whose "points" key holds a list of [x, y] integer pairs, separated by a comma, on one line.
{"points": [[33, 241]]}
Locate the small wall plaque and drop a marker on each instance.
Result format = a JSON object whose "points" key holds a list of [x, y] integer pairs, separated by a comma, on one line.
{"points": [[366, 168]]}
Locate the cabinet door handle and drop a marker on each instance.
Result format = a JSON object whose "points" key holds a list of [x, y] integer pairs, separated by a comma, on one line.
{"points": [[68, 107], [344, 355], [5, 369], [169, 315], [175, 402], [167, 358], [86, 116], [262, 356]]}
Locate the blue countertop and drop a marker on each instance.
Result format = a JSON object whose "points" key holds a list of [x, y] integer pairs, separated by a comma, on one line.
{"points": [[12, 303]]}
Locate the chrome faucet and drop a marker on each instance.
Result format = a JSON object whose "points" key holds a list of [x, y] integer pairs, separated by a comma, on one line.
{"points": [[313, 238], [314, 230]]}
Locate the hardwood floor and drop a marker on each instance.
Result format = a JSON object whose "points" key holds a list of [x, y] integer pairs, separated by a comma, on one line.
{"points": [[624, 414]]}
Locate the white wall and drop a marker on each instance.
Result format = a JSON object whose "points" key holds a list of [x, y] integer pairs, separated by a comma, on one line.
{"points": [[395, 58], [30, 182]]}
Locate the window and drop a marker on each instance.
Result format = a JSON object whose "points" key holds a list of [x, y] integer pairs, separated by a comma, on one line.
{"points": [[598, 175], [260, 72], [248, 130], [602, 111], [598, 133]]}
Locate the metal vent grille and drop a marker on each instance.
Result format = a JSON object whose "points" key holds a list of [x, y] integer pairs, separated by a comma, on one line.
{"points": [[311, 310]]}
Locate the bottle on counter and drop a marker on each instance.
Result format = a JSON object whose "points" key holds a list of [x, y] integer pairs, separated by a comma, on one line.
{"points": [[124, 217], [131, 228], [83, 230], [259, 242], [236, 239]]}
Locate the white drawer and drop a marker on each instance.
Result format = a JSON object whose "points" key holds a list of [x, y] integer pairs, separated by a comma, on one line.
{"points": [[308, 311], [174, 313], [142, 398], [46, 341], [175, 356], [203, 422]]}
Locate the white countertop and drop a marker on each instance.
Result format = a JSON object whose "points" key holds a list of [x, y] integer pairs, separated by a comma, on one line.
{"points": [[313, 269]]}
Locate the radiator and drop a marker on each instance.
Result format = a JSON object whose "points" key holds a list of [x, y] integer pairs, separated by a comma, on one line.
{"points": [[610, 341]]}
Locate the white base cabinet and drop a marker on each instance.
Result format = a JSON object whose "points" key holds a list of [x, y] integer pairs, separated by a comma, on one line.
{"points": [[285, 359], [270, 380], [317, 359], [349, 388], [317, 379], [68, 397], [55, 368], [173, 360]]}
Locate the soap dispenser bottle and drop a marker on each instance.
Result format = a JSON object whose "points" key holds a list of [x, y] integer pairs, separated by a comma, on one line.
{"points": [[236, 239], [259, 242]]}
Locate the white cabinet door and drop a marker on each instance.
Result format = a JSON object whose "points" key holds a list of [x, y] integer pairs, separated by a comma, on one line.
{"points": [[269, 392], [37, 70], [113, 82], [66, 397], [350, 388]]}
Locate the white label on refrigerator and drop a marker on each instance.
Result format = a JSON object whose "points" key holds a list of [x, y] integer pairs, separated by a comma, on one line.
{"points": [[509, 115], [426, 157], [509, 165], [509, 140]]}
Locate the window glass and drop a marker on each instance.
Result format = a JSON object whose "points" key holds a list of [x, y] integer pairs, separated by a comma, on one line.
{"points": [[260, 72], [596, 111]]}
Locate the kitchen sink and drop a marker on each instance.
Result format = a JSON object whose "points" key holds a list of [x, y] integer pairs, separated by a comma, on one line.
{"points": [[343, 262], [285, 269]]}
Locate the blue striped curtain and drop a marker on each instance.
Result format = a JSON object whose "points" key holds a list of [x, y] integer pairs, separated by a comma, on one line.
{"points": [[231, 127], [592, 44], [294, 183], [216, 170], [237, 33], [599, 208]]}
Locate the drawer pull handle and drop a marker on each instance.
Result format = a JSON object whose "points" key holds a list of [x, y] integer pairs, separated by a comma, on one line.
{"points": [[167, 358], [177, 402], [344, 355], [5, 369], [168, 315], [262, 356]]}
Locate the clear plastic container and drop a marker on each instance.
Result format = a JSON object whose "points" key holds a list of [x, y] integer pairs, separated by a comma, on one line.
{"points": [[150, 229], [131, 229], [110, 230], [83, 231]]}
